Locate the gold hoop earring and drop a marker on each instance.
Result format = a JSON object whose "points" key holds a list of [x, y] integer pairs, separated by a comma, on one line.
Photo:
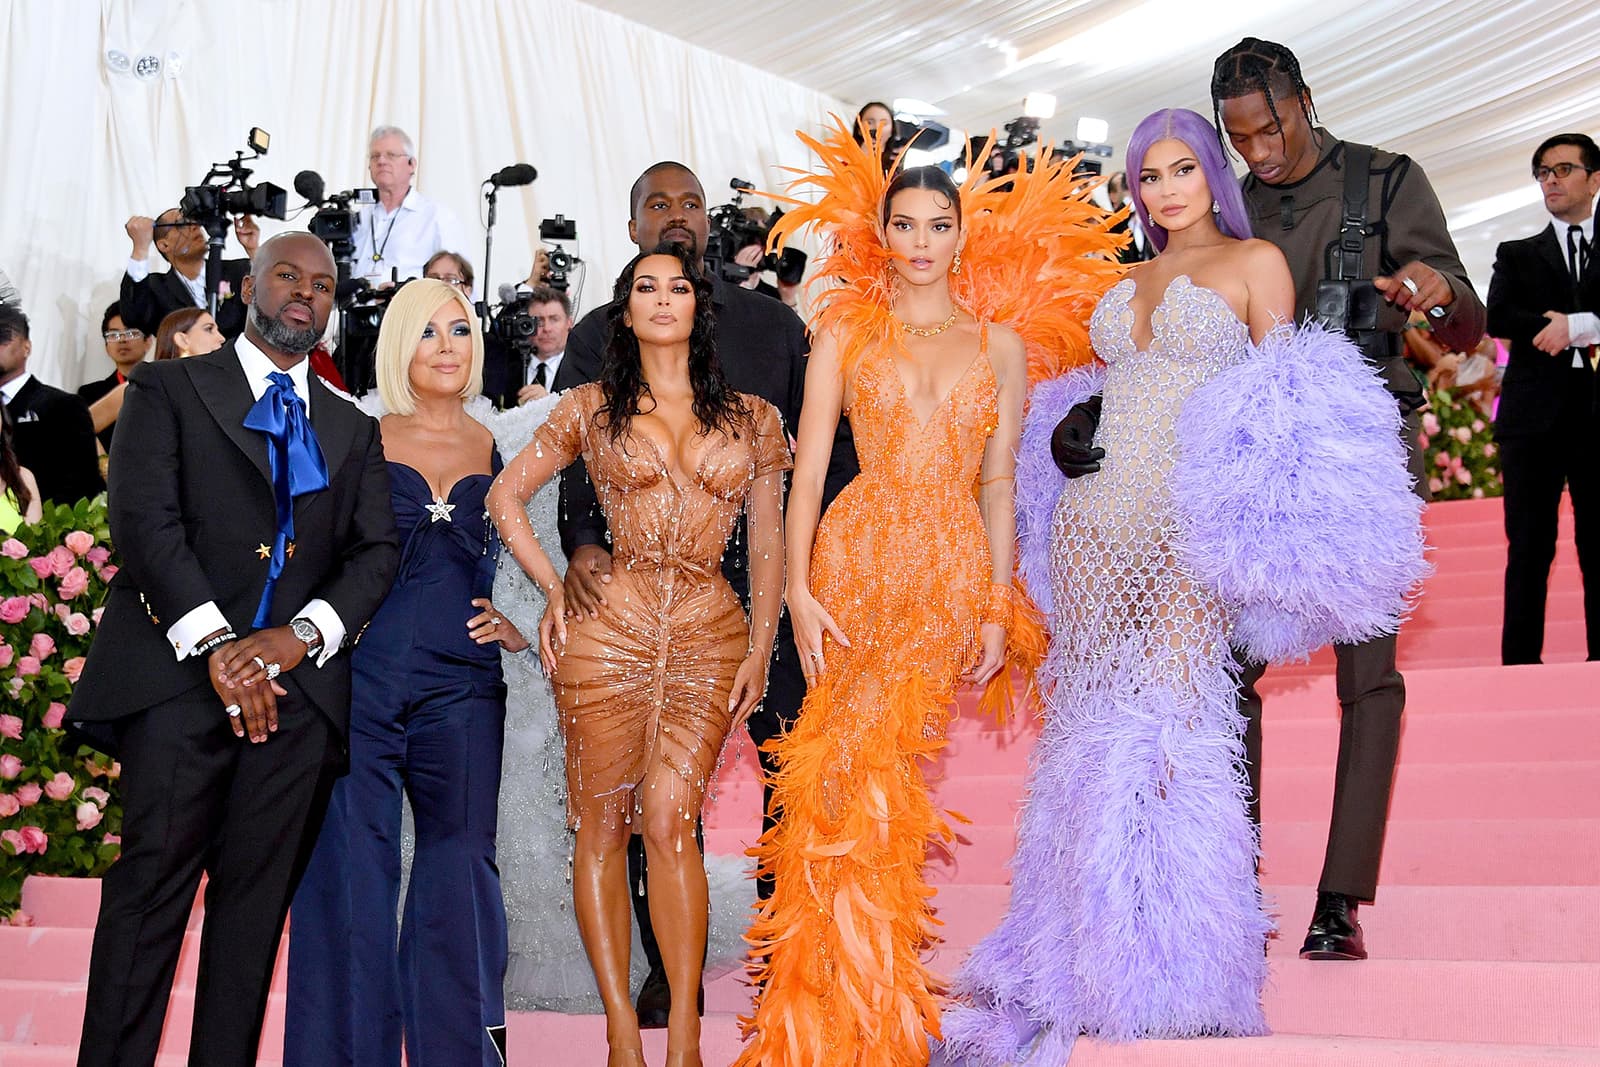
{"points": [[955, 264]]}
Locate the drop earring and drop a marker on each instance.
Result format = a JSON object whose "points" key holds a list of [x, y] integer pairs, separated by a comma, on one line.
{"points": [[955, 264], [1216, 208]]}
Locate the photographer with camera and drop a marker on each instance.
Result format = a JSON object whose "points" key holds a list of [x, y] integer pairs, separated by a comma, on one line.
{"points": [[148, 298], [395, 236]]}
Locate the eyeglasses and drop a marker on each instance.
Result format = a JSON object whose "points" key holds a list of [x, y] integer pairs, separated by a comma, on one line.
{"points": [[1559, 170], [174, 225], [393, 157], [449, 279], [122, 335]]}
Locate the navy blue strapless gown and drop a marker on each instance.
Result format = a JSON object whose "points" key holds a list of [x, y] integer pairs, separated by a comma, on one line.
{"points": [[427, 717]]}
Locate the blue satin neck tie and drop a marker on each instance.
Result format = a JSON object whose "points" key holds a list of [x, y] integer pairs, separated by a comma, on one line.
{"points": [[297, 468]]}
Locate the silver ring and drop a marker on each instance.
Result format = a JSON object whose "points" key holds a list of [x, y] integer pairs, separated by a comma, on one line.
{"points": [[815, 655], [494, 620], [257, 660], [233, 711], [272, 670], [1409, 284]]}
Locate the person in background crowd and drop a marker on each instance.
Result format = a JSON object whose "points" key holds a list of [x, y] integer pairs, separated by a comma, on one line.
{"points": [[185, 333], [875, 119], [148, 298], [127, 346], [451, 268], [551, 309], [1139, 247], [1545, 299], [427, 718], [19, 493], [761, 345], [53, 432], [395, 237]]}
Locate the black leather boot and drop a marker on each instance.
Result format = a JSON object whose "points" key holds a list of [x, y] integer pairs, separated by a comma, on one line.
{"points": [[1335, 932]]}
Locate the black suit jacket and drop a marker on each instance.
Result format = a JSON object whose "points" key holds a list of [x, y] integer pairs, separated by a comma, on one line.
{"points": [[145, 303], [762, 345], [1530, 278], [187, 519], [55, 440]]}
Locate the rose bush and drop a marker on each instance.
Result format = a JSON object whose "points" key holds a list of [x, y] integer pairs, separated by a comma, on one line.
{"points": [[1459, 453], [60, 812]]}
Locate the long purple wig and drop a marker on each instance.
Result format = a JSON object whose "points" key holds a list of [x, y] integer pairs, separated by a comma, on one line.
{"points": [[1194, 130]]}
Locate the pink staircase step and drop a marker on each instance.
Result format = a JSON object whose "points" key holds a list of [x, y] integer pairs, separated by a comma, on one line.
{"points": [[1289, 1050], [51, 1013]]}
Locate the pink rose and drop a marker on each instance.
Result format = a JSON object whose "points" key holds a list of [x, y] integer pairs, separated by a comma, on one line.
{"points": [[14, 549], [7, 654], [77, 624], [112, 839], [98, 795], [61, 611], [10, 766], [29, 794], [27, 666], [94, 616], [9, 805], [72, 668], [40, 601], [1441, 459], [34, 839], [88, 816], [1423, 440], [61, 560], [40, 565], [1477, 494], [21, 918], [1464, 476], [14, 839], [14, 609], [115, 771], [60, 787], [1488, 450], [1463, 434], [74, 582], [42, 646], [16, 685], [1430, 423], [80, 541], [98, 555], [108, 572], [11, 726], [1435, 485]]}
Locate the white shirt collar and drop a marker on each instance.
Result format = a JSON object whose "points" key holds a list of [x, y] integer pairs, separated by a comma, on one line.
{"points": [[10, 390], [412, 201], [257, 366], [1587, 225]]}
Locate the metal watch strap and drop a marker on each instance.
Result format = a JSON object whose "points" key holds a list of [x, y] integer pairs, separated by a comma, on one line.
{"points": [[307, 632]]}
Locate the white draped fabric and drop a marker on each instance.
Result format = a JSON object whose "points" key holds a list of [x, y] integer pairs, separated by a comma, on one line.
{"points": [[587, 97]]}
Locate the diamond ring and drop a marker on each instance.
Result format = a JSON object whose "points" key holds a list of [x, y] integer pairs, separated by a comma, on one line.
{"points": [[272, 670], [233, 711]]}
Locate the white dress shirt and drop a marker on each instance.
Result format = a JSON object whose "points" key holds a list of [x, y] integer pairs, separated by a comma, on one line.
{"points": [[139, 269], [1582, 326], [404, 239], [207, 619], [551, 363], [10, 390]]}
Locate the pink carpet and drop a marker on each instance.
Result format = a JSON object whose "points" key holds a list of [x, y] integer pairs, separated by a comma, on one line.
{"points": [[1485, 944]]}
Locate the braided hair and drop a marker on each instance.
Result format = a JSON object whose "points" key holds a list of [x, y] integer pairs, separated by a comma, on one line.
{"points": [[1265, 67]]}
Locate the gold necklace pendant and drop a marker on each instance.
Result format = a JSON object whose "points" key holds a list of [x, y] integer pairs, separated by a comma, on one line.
{"points": [[931, 331]]}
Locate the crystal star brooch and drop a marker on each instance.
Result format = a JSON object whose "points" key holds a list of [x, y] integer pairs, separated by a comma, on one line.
{"points": [[440, 510]]}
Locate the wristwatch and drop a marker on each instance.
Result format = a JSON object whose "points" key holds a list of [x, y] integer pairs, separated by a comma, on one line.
{"points": [[307, 631]]}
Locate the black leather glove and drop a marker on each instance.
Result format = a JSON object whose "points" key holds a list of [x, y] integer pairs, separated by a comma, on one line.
{"points": [[1072, 443]]}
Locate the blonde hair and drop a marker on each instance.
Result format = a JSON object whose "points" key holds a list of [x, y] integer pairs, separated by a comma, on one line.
{"points": [[409, 312]]}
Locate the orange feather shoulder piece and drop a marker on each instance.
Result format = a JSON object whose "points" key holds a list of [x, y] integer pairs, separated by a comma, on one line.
{"points": [[1039, 252]]}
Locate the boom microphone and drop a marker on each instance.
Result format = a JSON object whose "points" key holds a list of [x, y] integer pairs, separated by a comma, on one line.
{"points": [[308, 183], [516, 174], [508, 292]]}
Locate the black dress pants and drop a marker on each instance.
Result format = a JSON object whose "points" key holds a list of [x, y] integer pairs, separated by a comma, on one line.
{"points": [[198, 799]]}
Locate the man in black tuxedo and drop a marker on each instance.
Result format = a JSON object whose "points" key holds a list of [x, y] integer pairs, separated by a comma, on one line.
{"points": [[1545, 299], [148, 298], [53, 433], [762, 346], [255, 542]]}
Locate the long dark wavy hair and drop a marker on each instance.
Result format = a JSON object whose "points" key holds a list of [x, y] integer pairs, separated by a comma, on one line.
{"points": [[716, 405], [10, 467]]}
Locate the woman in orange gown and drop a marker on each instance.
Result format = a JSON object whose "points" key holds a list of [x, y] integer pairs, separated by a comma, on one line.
{"points": [[901, 594], [649, 689]]}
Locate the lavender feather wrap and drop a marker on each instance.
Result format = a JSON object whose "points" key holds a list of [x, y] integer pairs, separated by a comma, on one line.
{"points": [[1296, 503], [1039, 480]]}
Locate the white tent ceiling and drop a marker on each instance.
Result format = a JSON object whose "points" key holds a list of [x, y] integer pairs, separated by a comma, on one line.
{"points": [[1467, 88]]}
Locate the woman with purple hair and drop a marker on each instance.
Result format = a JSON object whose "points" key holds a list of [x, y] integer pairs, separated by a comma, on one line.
{"points": [[1135, 910]]}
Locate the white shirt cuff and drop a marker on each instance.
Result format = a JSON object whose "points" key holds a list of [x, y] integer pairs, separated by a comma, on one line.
{"points": [[328, 622], [138, 269], [198, 624], [1584, 328]]}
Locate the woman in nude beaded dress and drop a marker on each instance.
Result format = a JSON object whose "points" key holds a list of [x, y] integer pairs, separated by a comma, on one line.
{"points": [[648, 690]]}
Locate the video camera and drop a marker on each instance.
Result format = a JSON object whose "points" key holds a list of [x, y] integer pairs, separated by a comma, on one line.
{"points": [[226, 191], [559, 228], [731, 229]]}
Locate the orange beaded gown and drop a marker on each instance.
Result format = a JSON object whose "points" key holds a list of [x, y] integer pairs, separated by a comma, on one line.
{"points": [[902, 563], [647, 682]]}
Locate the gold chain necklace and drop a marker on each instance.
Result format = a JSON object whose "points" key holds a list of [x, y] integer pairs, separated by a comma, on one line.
{"points": [[930, 331]]}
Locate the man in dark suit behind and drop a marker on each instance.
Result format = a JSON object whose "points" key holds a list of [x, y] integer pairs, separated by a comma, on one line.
{"points": [[148, 298], [1545, 299], [761, 344], [254, 543], [53, 433]]}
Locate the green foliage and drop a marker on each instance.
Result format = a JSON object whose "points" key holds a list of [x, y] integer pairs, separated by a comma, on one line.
{"points": [[1459, 453]]}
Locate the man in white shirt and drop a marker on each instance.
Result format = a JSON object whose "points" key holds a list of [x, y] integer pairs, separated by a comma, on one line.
{"points": [[396, 236], [1545, 299], [256, 538]]}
